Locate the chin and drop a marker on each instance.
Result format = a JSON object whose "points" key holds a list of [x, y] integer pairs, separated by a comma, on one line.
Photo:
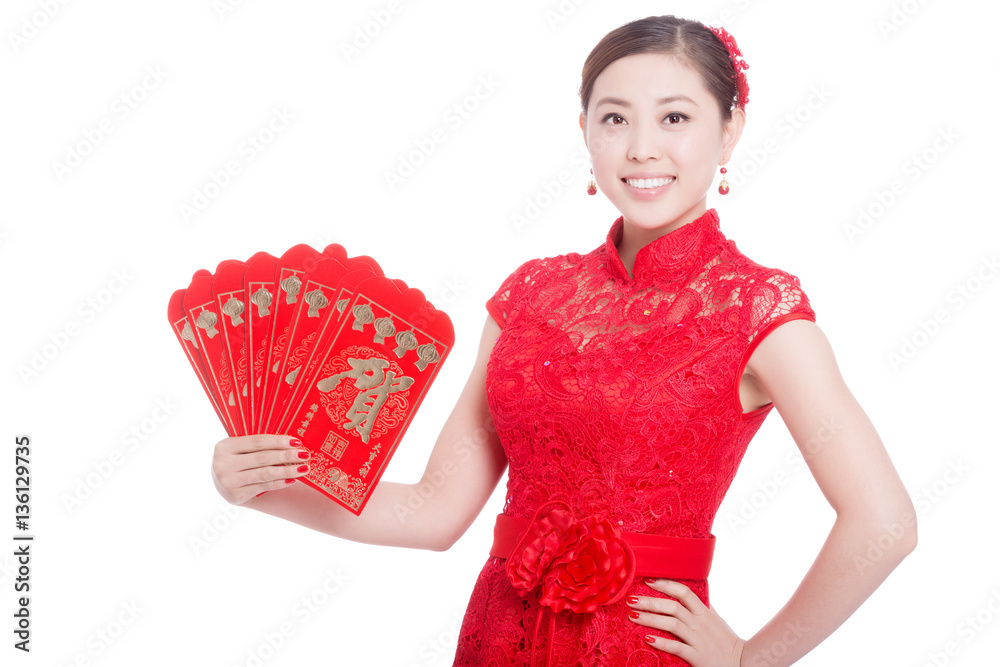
{"points": [[655, 214]]}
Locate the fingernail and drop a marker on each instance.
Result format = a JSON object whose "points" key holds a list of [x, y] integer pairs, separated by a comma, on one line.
{"points": [[303, 455], [650, 580], [302, 469], [289, 481], [260, 494], [295, 442], [632, 599], [633, 614], [650, 639]]}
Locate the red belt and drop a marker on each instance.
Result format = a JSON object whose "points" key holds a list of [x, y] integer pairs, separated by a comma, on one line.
{"points": [[583, 563]]}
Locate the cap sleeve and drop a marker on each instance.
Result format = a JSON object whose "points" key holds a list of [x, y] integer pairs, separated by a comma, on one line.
{"points": [[512, 290], [770, 302], [778, 299]]}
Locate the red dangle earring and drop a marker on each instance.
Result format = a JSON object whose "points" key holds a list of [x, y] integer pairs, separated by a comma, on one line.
{"points": [[592, 186], [742, 88]]}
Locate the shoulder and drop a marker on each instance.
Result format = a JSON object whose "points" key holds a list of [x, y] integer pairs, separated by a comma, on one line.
{"points": [[544, 269], [766, 295], [530, 285]]}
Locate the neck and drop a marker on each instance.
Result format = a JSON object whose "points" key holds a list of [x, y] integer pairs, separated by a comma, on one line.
{"points": [[635, 238]]}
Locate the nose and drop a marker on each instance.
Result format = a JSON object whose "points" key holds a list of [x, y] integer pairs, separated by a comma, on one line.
{"points": [[643, 142]]}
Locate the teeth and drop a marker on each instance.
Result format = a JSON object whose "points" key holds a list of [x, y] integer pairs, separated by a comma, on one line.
{"points": [[647, 183]]}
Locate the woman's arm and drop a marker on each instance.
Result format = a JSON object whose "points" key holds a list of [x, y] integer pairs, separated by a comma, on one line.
{"points": [[796, 367], [464, 468]]}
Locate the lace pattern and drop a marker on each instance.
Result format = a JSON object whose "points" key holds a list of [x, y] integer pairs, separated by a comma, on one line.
{"points": [[619, 395]]}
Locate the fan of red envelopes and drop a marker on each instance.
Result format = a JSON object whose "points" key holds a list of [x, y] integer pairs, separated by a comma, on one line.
{"points": [[317, 345]]}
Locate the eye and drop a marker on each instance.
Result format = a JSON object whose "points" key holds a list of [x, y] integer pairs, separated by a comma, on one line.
{"points": [[611, 115], [676, 115]]}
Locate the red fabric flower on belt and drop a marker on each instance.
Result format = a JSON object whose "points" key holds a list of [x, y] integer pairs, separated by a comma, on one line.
{"points": [[580, 564]]}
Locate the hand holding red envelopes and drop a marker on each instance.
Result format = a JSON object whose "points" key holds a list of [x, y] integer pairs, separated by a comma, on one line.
{"points": [[317, 345]]}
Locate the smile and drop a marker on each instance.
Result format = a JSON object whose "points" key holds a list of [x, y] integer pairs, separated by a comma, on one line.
{"points": [[648, 183]]}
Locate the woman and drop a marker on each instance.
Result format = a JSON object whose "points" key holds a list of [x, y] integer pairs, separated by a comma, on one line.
{"points": [[621, 388]]}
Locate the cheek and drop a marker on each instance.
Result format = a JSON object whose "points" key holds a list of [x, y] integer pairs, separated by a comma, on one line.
{"points": [[604, 143], [692, 151], [698, 158]]}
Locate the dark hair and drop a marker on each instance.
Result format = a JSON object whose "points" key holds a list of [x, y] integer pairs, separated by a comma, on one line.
{"points": [[690, 41]]}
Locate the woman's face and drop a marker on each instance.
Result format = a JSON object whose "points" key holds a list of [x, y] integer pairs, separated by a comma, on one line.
{"points": [[656, 139]]}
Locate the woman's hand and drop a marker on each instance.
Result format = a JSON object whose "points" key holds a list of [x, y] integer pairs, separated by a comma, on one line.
{"points": [[247, 466], [705, 639]]}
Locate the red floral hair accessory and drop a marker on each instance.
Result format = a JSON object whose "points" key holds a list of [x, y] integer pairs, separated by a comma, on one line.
{"points": [[739, 64]]}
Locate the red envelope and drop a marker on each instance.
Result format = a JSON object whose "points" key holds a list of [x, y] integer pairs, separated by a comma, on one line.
{"points": [[259, 285], [289, 272], [318, 304], [199, 305], [370, 382], [230, 302], [185, 336], [318, 345], [336, 283]]}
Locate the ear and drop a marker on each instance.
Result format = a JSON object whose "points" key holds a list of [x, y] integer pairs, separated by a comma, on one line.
{"points": [[732, 130], [583, 127]]}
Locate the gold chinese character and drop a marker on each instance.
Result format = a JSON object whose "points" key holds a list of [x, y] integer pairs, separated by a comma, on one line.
{"points": [[376, 384]]}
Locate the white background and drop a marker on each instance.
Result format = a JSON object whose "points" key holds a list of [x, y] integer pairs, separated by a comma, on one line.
{"points": [[449, 229]]}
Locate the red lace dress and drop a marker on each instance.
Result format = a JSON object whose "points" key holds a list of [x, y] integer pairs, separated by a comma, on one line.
{"points": [[619, 396]]}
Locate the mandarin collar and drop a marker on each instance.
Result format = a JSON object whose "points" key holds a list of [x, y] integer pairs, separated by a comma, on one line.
{"points": [[672, 257]]}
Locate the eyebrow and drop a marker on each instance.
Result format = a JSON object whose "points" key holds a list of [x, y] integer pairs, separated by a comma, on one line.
{"points": [[662, 100]]}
